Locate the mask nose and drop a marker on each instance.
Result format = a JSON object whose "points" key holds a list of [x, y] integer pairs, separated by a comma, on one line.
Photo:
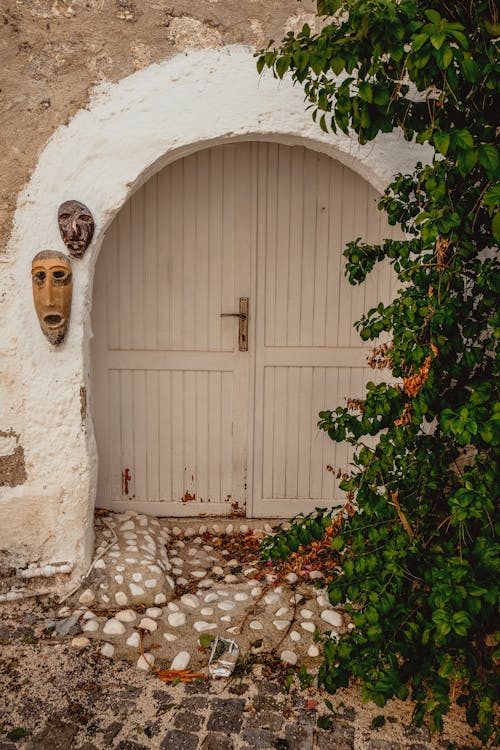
{"points": [[74, 227]]}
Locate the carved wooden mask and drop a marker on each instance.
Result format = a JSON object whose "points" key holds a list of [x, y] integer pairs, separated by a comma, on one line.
{"points": [[52, 292], [76, 225]]}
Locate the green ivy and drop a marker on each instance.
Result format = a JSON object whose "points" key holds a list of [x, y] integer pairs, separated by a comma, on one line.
{"points": [[420, 563]]}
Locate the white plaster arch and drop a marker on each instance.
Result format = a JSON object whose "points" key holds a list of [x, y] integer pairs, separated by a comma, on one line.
{"points": [[129, 131]]}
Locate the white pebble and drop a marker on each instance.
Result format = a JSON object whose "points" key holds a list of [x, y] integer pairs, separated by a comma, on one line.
{"points": [[229, 528], [292, 577], [80, 642], [210, 598], [151, 583], [206, 611], [271, 598], [257, 591], [217, 570], [160, 598], [121, 598], [289, 657], [306, 614], [133, 640], [143, 664], [105, 598], [190, 600], [281, 624], [333, 618], [131, 560], [170, 637], [91, 626], [137, 577], [296, 598], [108, 650], [181, 581], [315, 574], [87, 597], [201, 626], [323, 601], [154, 612], [282, 611], [135, 590], [240, 597], [198, 573], [309, 626], [127, 526], [226, 618], [256, 625], [148, 624], [181, 660], [88, 615], [226, 605], [294, 636], [119, 578], [113, 627], [313, 650], [100, 563], [173, 607], [176, 619], [126, 615]]}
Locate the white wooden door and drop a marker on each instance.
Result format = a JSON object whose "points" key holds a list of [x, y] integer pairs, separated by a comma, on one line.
{"points": [[185, 422], [171, 386]]}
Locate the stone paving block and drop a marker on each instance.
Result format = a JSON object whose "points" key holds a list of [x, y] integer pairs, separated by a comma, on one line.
{"points": [[300, 737], [381, 744], [130, 745], [111, 731], [216, 741], [188, 721], [340, 738], [265, 720], [227, 715], [56, 735], [419, 734], [261, 739], [178, 740], [195, 703]]}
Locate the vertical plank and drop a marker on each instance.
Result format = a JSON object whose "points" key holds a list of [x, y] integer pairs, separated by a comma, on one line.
{"points": [[125, 276], [152, 435], [307, 422], [309, 249], [280, 431], [229, 296], [137, 296], [140, 435], [151, 291], [283, 246], [165, 282], [268, 433], [226, 431], [338, 291], [189, 432], [189, 275], [165, 435], [315, 437], [177, 435], [215, 232], [127, 431], [108, 266], [202, 259], [177, 254], [214, 405], [325, 246], [111, 453], [201, 436], [330, 396], [295, 187], [358, 227], [291, 436], [268, 168]]}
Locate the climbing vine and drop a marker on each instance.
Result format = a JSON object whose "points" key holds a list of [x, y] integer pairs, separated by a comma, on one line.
{"points": [[419, 556]]}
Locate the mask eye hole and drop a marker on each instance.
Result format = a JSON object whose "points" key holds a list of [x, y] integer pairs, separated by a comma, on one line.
{"points": [[39, 277], [64, 217], [87, 219], [59, 274]]}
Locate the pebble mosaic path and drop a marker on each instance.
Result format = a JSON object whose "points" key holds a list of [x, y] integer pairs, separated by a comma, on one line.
{"points": [[143, 564], [73, 677]]}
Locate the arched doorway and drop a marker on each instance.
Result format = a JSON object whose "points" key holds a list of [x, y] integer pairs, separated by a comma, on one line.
{"points": [[188, 421]]}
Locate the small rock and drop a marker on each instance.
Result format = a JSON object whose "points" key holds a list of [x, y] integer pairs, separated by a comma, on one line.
{"points": [[160, 598], [211, 598], [231, 578], [206, 611], [126, 615], [181, 660], [306, 614], [88, 615], [257, 591], [332, 617], [151, 583], [143, 664], [198, 573], [170, 637], [190, 600], [107, 650], [100, 563], [137, 577], [294, 636], [281, 624], [240, 597], [153, 612], [119, 578], [133, 640], [90, 626], [80, 642], [323, 601], [148, 624], [113, 627], [282, 611], [226, 605], [256, 625], [121, 598], [176, 619], [217, 570], [315, 574], [292, 577], [87, 597], [173, 607], [313, 650], [201, 626], [290, 657], [271, 598], [309, 626], [135, 590]]}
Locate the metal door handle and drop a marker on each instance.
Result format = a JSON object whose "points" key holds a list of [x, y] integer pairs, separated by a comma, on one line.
{"points": [[243, 327]]}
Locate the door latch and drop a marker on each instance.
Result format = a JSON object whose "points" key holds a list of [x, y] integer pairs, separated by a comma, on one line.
{"points": [[243, 326]]}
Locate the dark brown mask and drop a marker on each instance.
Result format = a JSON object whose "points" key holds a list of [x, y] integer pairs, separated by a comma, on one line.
{"points": [[76, 225], [52, 292]]}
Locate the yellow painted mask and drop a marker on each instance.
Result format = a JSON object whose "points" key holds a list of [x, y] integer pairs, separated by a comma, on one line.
{"points": [[52, 291]]}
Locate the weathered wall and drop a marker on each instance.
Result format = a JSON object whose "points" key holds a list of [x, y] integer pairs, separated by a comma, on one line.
{"points": [[98, 145], [54, 51]]}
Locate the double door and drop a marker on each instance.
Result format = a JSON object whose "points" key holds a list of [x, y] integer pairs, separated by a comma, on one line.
{"points": [[202, 406]]}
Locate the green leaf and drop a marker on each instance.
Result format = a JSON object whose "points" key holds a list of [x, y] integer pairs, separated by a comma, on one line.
{"points": [[365, 91], [492, 196], [488, 157], [437, 40], [495, 226], [433, 16], [206, 640], [463, 139], [282, 65], [441, 141]]}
